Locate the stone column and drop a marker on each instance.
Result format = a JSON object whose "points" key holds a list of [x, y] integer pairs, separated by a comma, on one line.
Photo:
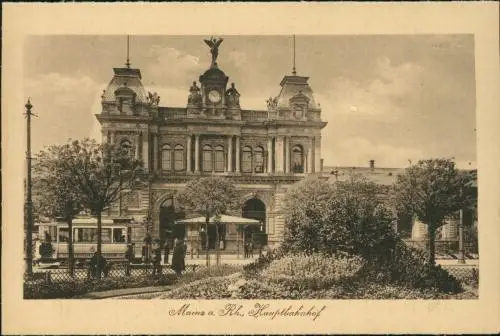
{"points": [[237, 154], [105, 136], [287, 155], [137, 146], [309, 160], [270, 155], [188, 153], [279, 154], [197, 153], [155, 152], [317, 154], [145, 150], [230, 153]]}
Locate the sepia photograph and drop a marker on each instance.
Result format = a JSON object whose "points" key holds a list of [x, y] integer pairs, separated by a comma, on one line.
{"points": [[246, 168], [251, 167]]}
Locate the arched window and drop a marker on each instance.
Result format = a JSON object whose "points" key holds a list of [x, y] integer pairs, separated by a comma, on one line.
{"points": [[166, 157], [246, 160], [297, 159], [259, 160], [219, 159], [179, 157], [207, 158], [127, 146]]}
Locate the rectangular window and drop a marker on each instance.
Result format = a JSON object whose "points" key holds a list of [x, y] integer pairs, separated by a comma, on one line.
{"points": [[166, 160], [259, 163], [89, 235], [207, 161], [118, 235], [63, 235], [219, 161], [179, 159], [247, 162]]}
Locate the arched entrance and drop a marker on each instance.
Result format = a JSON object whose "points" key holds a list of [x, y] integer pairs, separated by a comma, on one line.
{"points": [[168, 216], [254, 208]]}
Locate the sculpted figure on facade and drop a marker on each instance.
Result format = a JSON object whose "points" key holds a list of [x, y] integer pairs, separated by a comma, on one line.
{"points": [[153, 99], [194, 98], [214, 44], [232, 96], [272, 103]]}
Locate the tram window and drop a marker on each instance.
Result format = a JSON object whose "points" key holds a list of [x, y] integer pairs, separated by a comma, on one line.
{"points": [[89, 235], [118, 236], [63, 235]]}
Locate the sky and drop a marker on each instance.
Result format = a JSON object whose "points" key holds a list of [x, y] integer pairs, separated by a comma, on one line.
{"points": [[390, 98]]}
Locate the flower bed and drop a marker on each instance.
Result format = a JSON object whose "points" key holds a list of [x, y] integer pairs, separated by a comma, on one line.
{"points": [[231, 287], [312, 272]]}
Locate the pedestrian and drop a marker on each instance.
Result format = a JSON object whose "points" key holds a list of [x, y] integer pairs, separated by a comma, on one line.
{"points": [[245, 250], [157, 260], [166, 253], [97, 263], [184, 252], [250, 249], [177, 257]]}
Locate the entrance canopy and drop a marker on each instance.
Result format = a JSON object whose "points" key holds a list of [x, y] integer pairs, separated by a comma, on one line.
{"points": [[223, 219]]}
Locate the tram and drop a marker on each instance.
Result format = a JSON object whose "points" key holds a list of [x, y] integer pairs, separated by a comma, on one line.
{"points": [[117, 233]]}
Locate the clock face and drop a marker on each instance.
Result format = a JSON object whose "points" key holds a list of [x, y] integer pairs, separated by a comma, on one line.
{"points": [[214, 96]]}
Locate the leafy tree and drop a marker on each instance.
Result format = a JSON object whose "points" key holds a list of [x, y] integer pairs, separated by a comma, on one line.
{"points": [[209, 196], [432, 190], [100, 173], [56, 196], [341, 217]]}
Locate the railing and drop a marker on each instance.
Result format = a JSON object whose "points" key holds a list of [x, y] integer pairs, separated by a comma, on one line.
{"points": [[173, 114], [115, 271], [254, 115]]}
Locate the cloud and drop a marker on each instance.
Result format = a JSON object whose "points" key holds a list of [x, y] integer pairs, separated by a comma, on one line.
{"points": [[172, 65], [384, 95], [65, 106]]}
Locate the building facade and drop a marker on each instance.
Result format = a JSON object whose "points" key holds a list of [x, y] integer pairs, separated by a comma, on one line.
{"points": [[263, 152]]}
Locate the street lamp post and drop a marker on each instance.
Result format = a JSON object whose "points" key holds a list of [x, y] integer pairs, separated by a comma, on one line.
{"points": [[29, 201]]}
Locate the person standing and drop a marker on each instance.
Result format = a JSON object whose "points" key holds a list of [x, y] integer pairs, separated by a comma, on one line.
{"points": [[157, 260], [166, 252], [184, 252], [177, 257]]}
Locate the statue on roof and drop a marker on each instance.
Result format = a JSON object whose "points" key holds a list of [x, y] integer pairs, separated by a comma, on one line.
{"points": [[214, 44], [153, 99], [194, 95], [232, 96], [272, 103]]}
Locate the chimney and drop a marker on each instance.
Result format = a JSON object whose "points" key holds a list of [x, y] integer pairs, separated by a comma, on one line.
{"points": [[372, 165]]}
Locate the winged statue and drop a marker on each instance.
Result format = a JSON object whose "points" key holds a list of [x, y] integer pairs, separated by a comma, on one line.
{"points": [[214, 44]]}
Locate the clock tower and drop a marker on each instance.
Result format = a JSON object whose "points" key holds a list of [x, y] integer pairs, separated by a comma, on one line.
{"points": [[213, 88]]}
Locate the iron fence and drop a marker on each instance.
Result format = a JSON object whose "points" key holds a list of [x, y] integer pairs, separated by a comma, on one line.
{"points": [[120, 271]]}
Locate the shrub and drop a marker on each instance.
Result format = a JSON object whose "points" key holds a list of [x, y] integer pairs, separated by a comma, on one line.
{"points": [[46, 250], [332, 218], [313, 272], [409, 266]]}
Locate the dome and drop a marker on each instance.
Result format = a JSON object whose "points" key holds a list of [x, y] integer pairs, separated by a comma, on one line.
{"points": [[125, 79], [295, 87], [214, 73]]}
